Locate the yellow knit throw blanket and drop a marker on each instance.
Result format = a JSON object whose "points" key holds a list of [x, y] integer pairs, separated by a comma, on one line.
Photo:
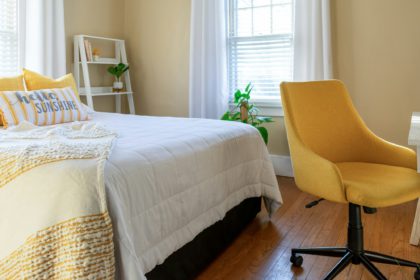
{"points": [[54, 222]]}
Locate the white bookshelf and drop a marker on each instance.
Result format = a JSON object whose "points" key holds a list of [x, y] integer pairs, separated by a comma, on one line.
{"points": [[81, 61]]}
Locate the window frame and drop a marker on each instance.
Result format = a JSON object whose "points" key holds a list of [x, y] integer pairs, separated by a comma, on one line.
{"points": [[269, 106]]}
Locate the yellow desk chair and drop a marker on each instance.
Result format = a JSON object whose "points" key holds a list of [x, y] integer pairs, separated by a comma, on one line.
{"points": [[336, 157]]}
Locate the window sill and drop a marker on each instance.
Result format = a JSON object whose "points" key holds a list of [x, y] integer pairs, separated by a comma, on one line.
{"points": [[268, 107]]}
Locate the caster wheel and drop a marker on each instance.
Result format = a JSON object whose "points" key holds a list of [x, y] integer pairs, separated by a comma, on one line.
{"points": [[417, 274], [297, 260]]}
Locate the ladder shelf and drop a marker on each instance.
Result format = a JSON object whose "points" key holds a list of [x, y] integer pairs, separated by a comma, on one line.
{"points": [[80, 60]]}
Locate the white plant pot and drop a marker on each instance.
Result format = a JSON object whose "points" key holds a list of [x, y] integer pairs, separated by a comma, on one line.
{"points": [[118, 85]]}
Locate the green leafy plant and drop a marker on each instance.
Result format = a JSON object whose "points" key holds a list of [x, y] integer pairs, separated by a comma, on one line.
{"points": [[246, 112], [118, 70]]}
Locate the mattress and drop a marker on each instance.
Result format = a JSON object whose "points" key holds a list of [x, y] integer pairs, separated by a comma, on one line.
{"points": [[168, 179]]}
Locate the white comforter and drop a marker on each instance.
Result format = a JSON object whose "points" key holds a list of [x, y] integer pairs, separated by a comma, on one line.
{"points": [[168, 179]]}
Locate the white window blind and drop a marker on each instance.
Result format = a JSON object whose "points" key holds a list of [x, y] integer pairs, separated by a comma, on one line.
{"points": [[9, 40], [260, 45]]}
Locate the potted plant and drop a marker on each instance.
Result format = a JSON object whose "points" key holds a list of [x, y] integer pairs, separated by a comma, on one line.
{"points": [[117, 71], [246, 112]]}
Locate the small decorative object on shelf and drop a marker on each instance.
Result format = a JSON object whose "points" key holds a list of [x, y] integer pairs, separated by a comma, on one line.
{"points": [[246, 112], [96, 53], [117, 71]]}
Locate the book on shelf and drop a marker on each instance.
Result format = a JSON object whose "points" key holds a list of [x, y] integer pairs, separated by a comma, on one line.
{"points": [[88, 48]]}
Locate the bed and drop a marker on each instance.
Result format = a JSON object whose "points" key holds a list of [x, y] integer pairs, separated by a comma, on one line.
{"points": [[170, 179], [153, 197]]}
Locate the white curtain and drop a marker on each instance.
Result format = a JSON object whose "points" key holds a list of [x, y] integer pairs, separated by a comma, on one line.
{"points": [[43, 36], [208, 64], [312, 40]]}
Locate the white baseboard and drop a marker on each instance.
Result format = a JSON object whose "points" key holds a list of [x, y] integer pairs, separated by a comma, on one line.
{"points": [[282, 165]]}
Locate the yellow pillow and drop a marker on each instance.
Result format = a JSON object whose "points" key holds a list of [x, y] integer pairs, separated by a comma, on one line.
{"points": [[11, 83], [41, 107], [35, 81]]}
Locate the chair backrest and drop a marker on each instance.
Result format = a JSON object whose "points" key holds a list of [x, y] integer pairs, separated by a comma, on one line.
{"points": [[324, 119]]}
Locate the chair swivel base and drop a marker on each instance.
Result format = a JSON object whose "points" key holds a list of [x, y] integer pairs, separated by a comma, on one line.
{"points": [[354, 252], [347, 256]]}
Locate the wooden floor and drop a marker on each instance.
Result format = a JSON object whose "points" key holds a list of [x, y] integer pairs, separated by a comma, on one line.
{"points": [[262, 251]]}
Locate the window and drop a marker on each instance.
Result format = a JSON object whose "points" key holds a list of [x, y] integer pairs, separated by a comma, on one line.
{"points": [[9, 39], [260, 46]]}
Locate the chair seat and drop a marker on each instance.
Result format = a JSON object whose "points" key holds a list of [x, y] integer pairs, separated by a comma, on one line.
{"points": [[379, 185]]}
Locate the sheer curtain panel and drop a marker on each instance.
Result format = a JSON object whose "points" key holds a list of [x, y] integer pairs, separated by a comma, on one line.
{"points": [[44, 48], [312, 40], [208, 64]]}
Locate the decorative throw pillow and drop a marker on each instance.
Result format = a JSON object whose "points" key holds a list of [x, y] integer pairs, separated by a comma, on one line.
{"points": [[35, 81], [41, 107], [11, 83]]}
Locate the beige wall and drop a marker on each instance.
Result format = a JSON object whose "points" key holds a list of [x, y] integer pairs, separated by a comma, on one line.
{"points": [[94, 17], [157, 33], [376, 47], [158, 45], [277, 143], [376, 51], [377, 54]]}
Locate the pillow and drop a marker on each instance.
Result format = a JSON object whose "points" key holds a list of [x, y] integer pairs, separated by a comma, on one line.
{"points": [[35, 81], [12, 83], [41, 107]]}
